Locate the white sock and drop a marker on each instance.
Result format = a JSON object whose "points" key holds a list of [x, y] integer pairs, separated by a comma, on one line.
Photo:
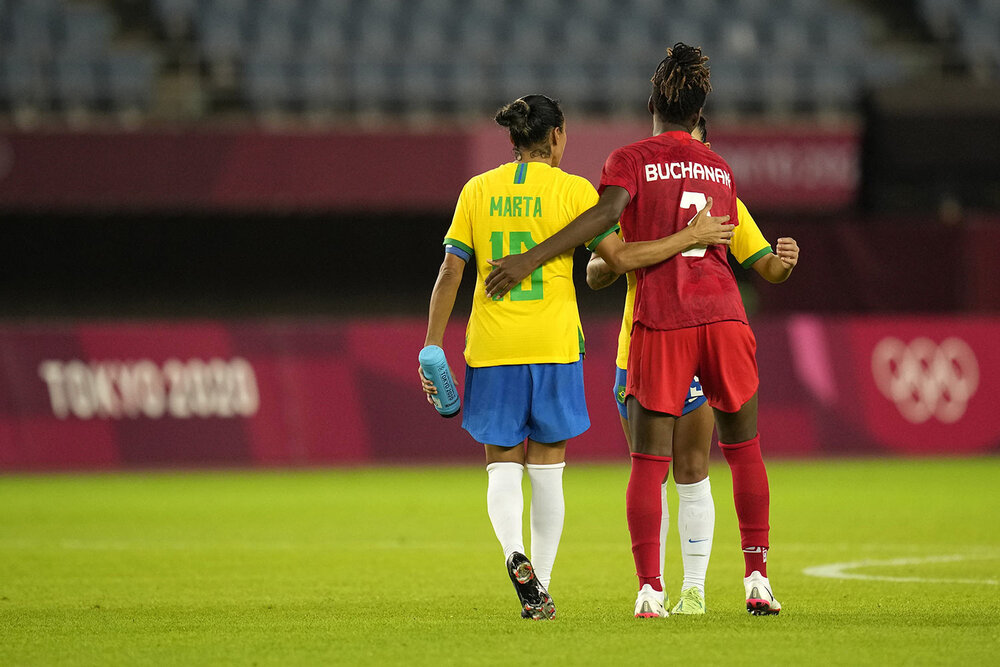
{"points": [[696, 526], [548, 510], [505, 504], [664, 526]]}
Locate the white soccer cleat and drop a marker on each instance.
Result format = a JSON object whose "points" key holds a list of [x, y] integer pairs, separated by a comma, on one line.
{"points": [[760, 599], [650, 603]]}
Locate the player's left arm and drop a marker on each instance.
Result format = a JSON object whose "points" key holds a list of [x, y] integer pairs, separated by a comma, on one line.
{"points": [[751, 249], [599, 274], [777, 266]]}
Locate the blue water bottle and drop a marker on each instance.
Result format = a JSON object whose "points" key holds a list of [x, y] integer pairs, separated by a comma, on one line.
{"points": [[435, 368]]}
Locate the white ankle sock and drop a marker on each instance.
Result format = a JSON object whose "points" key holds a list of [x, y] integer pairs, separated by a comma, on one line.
{"points": [[548, 510], [696, 526], [505, 504], [664, 527]]}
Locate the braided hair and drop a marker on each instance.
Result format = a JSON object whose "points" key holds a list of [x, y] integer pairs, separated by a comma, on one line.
{"points": [[681, 83], [530, 120]]}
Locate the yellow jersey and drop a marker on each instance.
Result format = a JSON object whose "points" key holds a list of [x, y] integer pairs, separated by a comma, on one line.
{"points": [[505, 211], [747, 246]]}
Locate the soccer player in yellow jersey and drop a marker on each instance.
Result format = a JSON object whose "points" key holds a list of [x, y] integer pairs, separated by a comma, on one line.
{"points": [[524, 376], [693, 430]]}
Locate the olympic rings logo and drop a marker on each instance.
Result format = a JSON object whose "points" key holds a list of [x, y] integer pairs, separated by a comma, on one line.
{"points": [[925, 379]]}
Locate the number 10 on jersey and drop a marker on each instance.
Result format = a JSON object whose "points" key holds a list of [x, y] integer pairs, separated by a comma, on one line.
{"points": [[518, 242]]}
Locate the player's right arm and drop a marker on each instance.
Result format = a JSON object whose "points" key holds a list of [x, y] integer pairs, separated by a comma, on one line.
{"points": [[621, 257], [442, 303], [511, 270], [443, 298], [458, 245]]}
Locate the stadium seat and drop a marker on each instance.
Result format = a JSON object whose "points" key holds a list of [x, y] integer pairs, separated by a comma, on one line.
{"points": [[268, 82], [85, 29], [980, 40], [221, 35], [75, 81], [321, 84], [131, 78], [472, 54], [23, 81], [175, 18], [31, 32]]}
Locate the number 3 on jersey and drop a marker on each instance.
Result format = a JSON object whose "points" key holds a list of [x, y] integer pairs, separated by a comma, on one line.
{"points": [[698, 200], [517, 243]]}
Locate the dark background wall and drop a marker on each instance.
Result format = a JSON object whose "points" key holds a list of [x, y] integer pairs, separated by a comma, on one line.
{"points": [[223, 265]]}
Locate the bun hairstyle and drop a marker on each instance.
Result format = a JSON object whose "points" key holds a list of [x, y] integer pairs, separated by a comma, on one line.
{"points": [[530, 120], [681, 83]]}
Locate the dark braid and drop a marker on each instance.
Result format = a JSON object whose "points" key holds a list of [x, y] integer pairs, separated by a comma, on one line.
{"points": [[681, 83], [703, 128], [530, 120]]}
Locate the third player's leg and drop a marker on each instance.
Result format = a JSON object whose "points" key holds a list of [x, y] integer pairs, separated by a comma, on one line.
{"points": [[692, 444], [695, 506]]}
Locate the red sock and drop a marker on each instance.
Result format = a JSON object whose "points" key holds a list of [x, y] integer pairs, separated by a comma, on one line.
{"points": [[643, 510], [755, 558], [752, 498]]}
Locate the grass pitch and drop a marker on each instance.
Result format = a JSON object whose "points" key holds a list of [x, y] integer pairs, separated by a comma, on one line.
{"points": [[400, 566]]}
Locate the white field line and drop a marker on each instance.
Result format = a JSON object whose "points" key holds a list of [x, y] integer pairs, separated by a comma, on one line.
{"points": [[840, 570]]}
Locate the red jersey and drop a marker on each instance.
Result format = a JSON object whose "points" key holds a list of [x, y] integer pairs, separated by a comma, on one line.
{"points": [[669, 177]]}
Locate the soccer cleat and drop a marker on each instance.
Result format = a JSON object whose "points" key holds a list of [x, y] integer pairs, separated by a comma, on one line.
{"points": [[692, 602], [536, 603], [760, 599], [650, 603]]}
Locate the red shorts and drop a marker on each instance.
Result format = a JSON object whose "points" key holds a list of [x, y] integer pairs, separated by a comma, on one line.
{"points": [[662, 363]]}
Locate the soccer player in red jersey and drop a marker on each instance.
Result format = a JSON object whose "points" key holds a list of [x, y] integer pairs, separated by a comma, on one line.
{"points": [[688, 320], [692, 438]]}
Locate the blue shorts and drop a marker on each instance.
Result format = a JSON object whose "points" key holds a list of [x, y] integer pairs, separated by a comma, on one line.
{"points": [[695, 398], [506, 404]]}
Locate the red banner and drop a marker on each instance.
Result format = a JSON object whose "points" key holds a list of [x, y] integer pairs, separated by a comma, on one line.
{"points": [[346, 392], [790, 169], [910, 386]]}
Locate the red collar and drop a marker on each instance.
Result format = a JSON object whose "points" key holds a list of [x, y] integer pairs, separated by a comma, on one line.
{"points": [[677, 134]]}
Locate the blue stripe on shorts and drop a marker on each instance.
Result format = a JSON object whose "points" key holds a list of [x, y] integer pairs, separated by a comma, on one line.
{"points": [[695, 398], [506, 404]]}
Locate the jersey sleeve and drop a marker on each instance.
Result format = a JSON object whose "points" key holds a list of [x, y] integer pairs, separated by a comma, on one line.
{"points": [[748, 244], [459, 235], [596, 241], [620, 169]]}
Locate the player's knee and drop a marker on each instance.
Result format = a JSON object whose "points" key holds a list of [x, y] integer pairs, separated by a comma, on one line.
{"points": [[690, 470]]}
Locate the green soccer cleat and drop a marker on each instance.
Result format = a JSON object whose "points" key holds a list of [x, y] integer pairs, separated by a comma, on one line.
{"points": [[692, 602]]}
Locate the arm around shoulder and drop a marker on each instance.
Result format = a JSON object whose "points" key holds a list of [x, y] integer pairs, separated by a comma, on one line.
{"points": [[512, 269]]}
